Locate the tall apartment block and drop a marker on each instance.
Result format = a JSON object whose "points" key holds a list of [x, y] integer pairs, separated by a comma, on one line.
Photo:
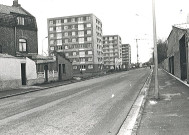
{"points": [[79, 37], [112, 52], [126, 56]]}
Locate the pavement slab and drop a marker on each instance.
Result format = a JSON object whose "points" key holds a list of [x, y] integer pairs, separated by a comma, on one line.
{"points": [[170, 114]]}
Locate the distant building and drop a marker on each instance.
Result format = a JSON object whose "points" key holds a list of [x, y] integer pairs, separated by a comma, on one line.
{"points": [[18, 31], [112, 49], [79, 37], [126, 56]]}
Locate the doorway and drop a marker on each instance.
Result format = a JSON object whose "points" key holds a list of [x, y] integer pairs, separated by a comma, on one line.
{"points": [[171, 65], [46, 73], [23, 73], [183, 64], [59, 72]]}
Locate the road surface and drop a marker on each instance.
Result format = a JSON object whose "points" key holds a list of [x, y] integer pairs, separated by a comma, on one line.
{"points": [[93, 107]]}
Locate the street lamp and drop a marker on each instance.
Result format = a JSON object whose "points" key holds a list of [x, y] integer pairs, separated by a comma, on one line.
{"points": [[156, 91], [42, 44]]}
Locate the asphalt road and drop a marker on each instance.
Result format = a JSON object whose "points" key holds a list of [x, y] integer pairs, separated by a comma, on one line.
{"points": [[93, 107]]}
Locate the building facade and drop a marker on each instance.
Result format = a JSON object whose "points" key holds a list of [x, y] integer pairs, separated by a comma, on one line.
{"points": [[18, 36], [112, 49], [177, 62], [79, 37], [126, 56], [16, 71]]}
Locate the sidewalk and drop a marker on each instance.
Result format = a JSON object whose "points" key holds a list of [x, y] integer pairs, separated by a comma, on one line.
{"points": [[27, 89], [170, 114]]}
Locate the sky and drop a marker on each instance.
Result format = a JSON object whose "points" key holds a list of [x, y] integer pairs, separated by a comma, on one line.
{"points": [[130, 19]]}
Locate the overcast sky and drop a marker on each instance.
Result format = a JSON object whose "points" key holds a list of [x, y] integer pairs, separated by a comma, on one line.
{"points": [[130, 19]]}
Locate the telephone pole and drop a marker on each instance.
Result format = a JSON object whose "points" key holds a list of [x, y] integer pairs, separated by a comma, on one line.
{"points": [[156, 91]]}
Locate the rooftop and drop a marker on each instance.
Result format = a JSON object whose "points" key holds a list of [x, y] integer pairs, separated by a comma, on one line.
{"points": [[11, 9]]}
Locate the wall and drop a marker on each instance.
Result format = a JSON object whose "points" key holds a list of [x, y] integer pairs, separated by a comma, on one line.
{"points": [[68, 67], [10, 73], [7, 40]]}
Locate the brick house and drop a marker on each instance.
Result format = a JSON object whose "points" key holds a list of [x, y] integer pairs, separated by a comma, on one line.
{"points": [[177, 53], [18, 36]]}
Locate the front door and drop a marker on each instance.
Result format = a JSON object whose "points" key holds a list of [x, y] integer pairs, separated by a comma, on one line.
{"points": [[23, 73], [46, 73]]}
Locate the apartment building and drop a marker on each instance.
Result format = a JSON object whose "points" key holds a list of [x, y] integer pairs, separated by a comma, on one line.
{"points": [[112, 52], [126, 56], [79, 37]]}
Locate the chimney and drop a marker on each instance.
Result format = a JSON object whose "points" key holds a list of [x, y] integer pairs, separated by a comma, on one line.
{"points": [[15, 3]]}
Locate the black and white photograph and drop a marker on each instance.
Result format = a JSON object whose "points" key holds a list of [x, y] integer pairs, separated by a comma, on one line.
{"points": [[94, 67]]}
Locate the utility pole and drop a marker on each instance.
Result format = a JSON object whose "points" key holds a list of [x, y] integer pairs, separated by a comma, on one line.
{"points": [[156, 91], [137, 49], [137, 52]]}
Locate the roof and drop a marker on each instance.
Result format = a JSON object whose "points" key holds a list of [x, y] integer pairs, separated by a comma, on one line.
{"points": [[182, 26], [8, 9]]}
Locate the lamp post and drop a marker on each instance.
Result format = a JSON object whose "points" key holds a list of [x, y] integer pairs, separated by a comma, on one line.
{"points": [[42, 44], [156, 91]]}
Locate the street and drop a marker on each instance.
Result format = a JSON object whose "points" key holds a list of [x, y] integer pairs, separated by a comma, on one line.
{"points": [[96, 107]]}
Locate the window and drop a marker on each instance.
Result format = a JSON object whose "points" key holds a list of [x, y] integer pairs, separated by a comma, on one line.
{"points": [[52, 42], [81, 40], [20, 20], [58, 29], [73, 20], [80, 27], [73, 33], [90, 66], [90, 59], [74, 53], [73, 39], [58, 21], [80, 19], [22, 45], [115, 37], [66, 34], [65, 27], [52, 48], [81, 33], [110, 38], [51, 22], [82, 54], [65, 20], [59, 35], [88, 18], [66, 40], [59, 42], [67, 54], [88, 25], [59, 47], [89, 38], [88, 31], [74, 67], [90, 52], [51, 35], [51, 29], [66, 47], [73, 26], [82, 59]]}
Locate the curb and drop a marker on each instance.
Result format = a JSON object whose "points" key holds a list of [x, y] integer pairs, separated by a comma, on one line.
{"points": [[37, 89], [132, 120], [176, 77]]}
